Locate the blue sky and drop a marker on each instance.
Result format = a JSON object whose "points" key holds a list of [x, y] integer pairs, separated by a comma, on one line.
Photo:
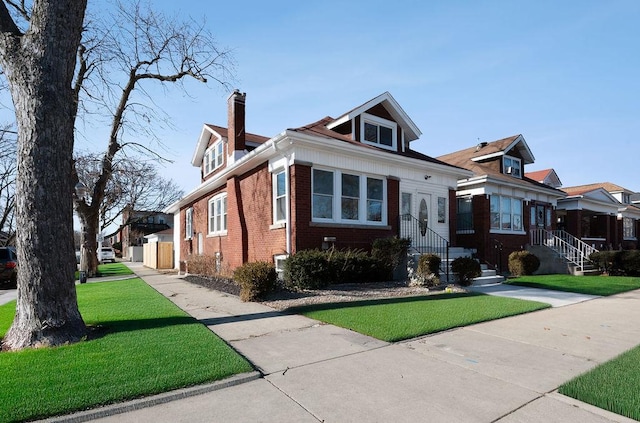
{"points": [[565, 74]]}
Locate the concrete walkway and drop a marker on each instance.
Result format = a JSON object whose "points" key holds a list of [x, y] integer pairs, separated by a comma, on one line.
{"points": [[555, 298], [501, 371]]}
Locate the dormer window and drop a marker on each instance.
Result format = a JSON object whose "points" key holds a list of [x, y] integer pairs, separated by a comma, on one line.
{"points": [[378, 131], [213, 158], [512, 166]]}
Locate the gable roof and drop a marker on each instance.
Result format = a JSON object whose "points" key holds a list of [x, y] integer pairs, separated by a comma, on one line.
{"points": [[220, 133], [320, 128], [607, 186], [590, 192], [391, 105], [546, 176]]}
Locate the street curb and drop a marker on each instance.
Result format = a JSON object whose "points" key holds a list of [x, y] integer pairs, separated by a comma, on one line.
{"points": [[163, 398]]}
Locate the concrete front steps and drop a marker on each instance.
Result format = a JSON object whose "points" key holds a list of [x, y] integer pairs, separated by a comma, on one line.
{"points": [[489, 277]]}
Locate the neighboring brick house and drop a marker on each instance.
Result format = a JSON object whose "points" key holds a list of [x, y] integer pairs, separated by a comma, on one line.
{"points": [[342, 182], [498, 206], [138, 223], [603, 215]]}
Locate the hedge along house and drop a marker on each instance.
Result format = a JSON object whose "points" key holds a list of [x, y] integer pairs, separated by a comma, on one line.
{"points": [[337, 182], [498, 207]]}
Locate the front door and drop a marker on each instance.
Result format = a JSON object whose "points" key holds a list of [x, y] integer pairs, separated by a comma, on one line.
{"points": [[424, 211]]}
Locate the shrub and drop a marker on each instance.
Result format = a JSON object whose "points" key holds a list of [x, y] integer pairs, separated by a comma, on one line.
{"points": [[315, 269], [307, 269], [255, 279], [466, 268], [390, 252], [428, 271], [206, 266], [619, 262], [523, 263]]}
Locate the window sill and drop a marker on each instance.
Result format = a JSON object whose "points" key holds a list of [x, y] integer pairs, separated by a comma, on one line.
{"points": [[465, 232], [630, 238], [278, 225], [349, 225], [216, 234], [503, 232]]}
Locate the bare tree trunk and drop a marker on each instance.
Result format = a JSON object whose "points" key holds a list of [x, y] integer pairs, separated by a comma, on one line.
{"points": [[39, 66], [88, 231]]}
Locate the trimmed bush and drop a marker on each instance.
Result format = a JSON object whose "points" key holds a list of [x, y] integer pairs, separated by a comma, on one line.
{"points": [[523, 263], [315, 269], [205, 266], [466, 268], [605, 261], [255, 279], [390, 252], [307, 269]]}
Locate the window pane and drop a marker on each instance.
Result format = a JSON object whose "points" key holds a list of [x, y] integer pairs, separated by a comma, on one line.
{"points": [[322, 182], [386, 136], [374, 189], [370, 132], [280, 184], [374, 211], [505, 205], [406, 205], [495, 204], [506, 221], [322, 206], [517, 222], [281, 210], [350, 185], [350, 208]]}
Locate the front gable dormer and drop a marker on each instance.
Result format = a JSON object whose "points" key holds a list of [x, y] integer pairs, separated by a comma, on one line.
{"points": [[508, 156], [380, 122], [209, 154]]}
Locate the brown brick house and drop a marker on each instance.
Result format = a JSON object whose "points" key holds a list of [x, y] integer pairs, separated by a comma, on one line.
{"points": [[339, 181], [498, 206]]}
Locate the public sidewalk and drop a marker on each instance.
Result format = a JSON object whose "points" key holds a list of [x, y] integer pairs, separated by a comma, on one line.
{"points": [[501, 371]]}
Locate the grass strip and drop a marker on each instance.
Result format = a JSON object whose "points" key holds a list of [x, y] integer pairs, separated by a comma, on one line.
{"points": [[591, 285], [110, 269], [612, 386], [146, 345], [396, 319]]}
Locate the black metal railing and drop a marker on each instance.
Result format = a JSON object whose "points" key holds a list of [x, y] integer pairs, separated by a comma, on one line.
{"points": [[424, 240]]}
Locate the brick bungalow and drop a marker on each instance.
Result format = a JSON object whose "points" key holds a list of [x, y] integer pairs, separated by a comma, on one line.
{"points": [[339, 181], [498, 206]]}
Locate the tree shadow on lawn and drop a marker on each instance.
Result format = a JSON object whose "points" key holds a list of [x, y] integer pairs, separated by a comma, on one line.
{"points": [[379, 301], [100, 329]]}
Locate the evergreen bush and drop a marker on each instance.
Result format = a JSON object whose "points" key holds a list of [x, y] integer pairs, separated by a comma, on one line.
{"points": [[256, 279], [523, 263], [467, 269]]}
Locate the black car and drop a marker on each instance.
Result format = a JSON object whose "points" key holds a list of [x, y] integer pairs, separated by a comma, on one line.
{"points": [[8, 266]]}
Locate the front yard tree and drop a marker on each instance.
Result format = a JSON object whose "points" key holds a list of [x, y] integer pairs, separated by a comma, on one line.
{"points": [[124, 54], [38, 63]]}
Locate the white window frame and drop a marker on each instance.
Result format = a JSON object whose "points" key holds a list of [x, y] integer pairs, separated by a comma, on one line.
{"points": [[378, 121], [502, 213], [510, 162], [213, 157], [219, 204], [628, 228], [188, 223], [362, 199], [277, 197]]}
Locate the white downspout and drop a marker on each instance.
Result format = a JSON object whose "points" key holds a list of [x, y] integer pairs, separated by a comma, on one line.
{"points": [[288, 190]]}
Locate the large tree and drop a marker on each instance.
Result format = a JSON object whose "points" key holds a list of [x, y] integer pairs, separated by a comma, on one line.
{"points": [[39, 62], [121, 56]]}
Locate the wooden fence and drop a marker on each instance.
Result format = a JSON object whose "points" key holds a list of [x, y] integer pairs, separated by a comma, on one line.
{"points": [[158, 255]]}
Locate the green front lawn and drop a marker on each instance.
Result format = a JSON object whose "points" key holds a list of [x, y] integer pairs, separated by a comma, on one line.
{"points": [[111, 269], [145, 345], [403, 318], [592, 285], [611, 386]]}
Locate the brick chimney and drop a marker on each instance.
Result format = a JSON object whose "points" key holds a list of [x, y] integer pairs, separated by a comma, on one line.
{"points": [[236, 130]]}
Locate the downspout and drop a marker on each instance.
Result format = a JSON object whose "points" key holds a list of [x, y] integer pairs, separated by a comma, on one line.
{"points": [[288, 190]]}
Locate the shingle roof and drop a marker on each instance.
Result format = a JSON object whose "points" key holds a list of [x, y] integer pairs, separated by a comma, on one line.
{"points": [[259, 139], [538, 175], [607, 186], [460, 158]]}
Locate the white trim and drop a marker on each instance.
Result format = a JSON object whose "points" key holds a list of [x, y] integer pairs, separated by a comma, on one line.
{"points": [[274, 196], [223, 222], [213, 156], [336, 198], [379, 122], [188, 223]]}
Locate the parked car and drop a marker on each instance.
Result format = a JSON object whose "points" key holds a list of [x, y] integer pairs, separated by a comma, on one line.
{"points": [[106, 254], [8, 266]]}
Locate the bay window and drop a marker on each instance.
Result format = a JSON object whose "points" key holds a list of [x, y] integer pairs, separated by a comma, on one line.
{"points": [[506, 214]]}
